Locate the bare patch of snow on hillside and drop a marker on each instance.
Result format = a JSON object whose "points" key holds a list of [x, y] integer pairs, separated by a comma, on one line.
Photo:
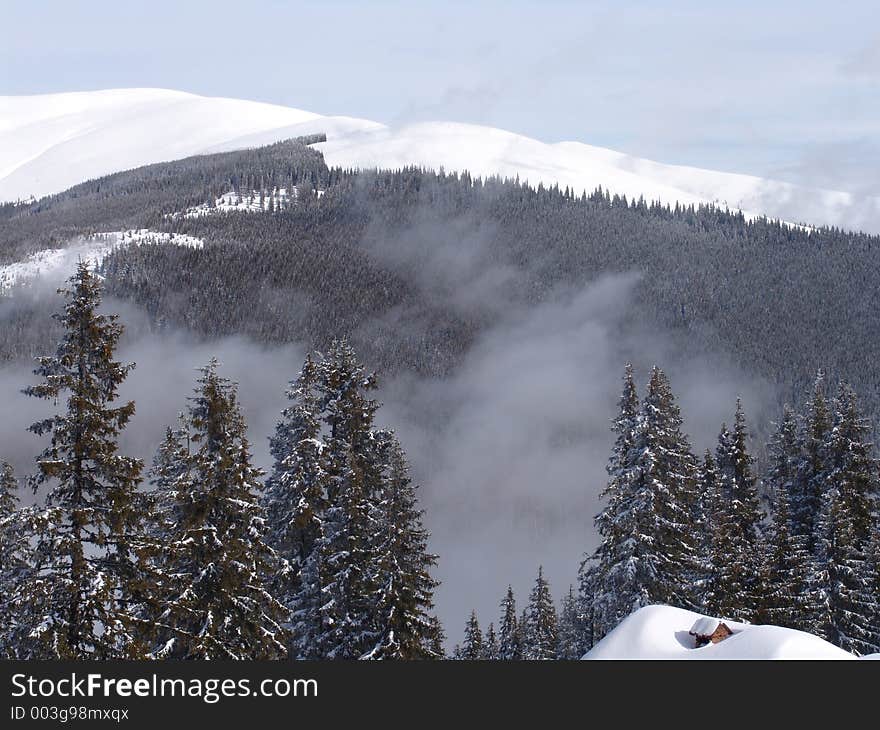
{"points": [[59, 263], [256, 201]]}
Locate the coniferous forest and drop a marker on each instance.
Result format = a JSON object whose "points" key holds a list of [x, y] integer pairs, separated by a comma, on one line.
{"points": [[198, 556], [201, 554], [693, 531]]}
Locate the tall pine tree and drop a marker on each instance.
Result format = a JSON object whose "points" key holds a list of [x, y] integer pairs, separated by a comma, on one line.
{"points": [[405, 587], [295, 503], [471, 649], [571, 643], [844, 528], [215, 563], [739, 577], [706, 527], [792, 601], [604, 605], [344, 519], [345, 550], [490, 644], [586, 607], [509, 645], [648, 553], [436, 639], [807, 489], [540, 633], [88, 575]]}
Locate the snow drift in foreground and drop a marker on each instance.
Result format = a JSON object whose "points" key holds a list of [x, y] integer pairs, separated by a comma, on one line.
{"points": [[51, 142], [661, 632]]}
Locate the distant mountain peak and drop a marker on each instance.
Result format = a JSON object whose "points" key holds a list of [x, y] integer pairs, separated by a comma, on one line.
{"points": [[51, 142]]}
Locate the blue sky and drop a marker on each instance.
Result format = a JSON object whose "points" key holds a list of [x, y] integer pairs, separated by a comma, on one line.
{"points": [[785, 89]]}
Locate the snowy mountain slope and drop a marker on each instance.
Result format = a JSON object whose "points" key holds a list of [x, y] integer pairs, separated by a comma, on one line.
{"points": [[661, 632], [56, 264], [48, 143], [485, 151], [349, 129]]}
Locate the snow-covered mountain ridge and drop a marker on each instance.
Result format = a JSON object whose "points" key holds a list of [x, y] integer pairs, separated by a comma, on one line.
{"points": [[51, 142]]}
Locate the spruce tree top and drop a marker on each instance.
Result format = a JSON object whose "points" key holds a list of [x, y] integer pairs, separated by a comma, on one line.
{"points": [[84, 367]]}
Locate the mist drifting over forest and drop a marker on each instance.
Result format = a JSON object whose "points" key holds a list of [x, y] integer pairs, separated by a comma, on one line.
{"points": [[509, 449]]}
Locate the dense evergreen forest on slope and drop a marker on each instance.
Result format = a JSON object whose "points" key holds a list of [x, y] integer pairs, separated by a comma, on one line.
{"points": [[412, 265], [141, 197]]}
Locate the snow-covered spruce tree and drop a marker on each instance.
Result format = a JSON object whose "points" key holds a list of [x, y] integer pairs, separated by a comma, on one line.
{"points": [[213, 602], [570, 644], [624, 426], [648, 552], [791, 600], [727, 594], [852, 465], [16, 560], [295, 501], [845, 609], [812, 471], [843, 530], [405, 594], [436, 639], [736, 471], [345, 552], [705, 526], [88, 575], [739, 577], [362, 574], [490, 644], [509, 648], [471, 649], [540, 633], [342, 565], [369, 563], [587, 614], [604, 603], [872, 570], [166, 475]]}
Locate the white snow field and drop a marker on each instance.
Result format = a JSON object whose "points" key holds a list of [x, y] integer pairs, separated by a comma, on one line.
{"points": [[254, 202], [661, 632], [50, 142], [56, 264]]}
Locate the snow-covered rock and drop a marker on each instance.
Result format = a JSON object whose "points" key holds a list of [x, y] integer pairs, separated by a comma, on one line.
{"points": [[662, 632], [50, 142]]}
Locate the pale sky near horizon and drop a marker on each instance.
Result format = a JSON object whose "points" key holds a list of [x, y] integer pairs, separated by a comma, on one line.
{"points": [[779, 89]]}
